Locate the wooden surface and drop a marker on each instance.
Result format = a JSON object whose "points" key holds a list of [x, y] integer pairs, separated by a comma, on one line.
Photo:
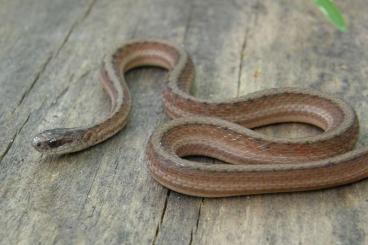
{"points": [[50, 52]]}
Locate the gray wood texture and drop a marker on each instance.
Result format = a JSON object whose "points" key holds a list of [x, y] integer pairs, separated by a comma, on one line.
{"points": [[50, 53]]}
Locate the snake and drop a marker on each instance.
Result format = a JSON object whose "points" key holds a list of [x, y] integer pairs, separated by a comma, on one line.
{"points": [[247, 162]]}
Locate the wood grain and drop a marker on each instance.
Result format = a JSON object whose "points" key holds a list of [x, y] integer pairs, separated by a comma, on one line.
{"points": [[51, 51]]}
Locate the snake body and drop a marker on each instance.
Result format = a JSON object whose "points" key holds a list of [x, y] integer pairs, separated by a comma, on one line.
{"points": [[254, 163]]}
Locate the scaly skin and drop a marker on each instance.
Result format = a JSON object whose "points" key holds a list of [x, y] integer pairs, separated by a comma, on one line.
{"points": [[222, 130]]}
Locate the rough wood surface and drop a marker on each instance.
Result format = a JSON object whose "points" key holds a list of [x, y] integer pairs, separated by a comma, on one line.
{"points": [[50, 52]]}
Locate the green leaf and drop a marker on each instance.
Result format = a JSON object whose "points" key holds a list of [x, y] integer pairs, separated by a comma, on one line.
{"points": [[332, 12]]}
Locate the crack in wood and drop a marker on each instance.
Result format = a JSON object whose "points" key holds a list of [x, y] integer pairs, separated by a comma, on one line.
{"points": [[61, 95], [41, 71], [187, 26], [58, 97], [162, 217], [74, 25], [189, 20], [2, 156], [194, 231], [90, 187], [243, 48], [37, 77], [191, 238], [199, 214]]}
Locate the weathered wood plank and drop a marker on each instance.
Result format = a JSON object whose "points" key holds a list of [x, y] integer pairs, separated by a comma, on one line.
{"points": [[31, 35], [105, 194], [76, 198], [215, 41], [289, 44]]}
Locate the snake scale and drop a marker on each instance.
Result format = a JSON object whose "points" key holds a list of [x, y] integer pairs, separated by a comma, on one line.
{"points": [[222, 129]]}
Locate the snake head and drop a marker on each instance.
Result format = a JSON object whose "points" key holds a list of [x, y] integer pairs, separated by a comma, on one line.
{"points": [[59, 140]]}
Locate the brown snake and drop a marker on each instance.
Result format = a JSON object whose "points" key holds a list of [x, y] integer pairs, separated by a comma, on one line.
{"points": [[222, 129]]}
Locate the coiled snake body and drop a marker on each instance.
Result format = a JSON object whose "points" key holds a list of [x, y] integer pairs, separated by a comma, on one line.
{"points": [[222, 129]]}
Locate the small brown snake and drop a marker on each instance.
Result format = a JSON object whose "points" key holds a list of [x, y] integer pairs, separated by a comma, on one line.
{"points": [[222, 129]]}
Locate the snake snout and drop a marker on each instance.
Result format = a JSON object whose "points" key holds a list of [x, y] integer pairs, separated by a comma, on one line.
{"points": [[49, 141], [38, 142]]}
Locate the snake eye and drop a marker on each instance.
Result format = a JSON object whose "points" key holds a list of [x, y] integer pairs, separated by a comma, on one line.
{"points": [[54, 143], [38, 144]]}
